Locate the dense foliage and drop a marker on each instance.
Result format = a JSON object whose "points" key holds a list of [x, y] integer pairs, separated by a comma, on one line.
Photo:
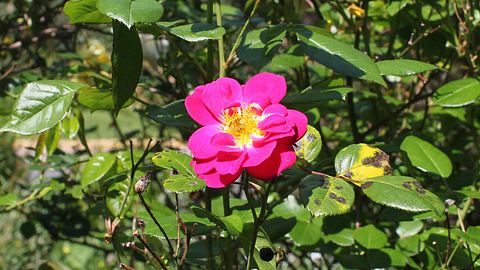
{"points": [[95, 171]]}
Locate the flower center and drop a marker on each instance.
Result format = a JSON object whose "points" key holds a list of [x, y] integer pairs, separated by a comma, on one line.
{"points": [[241, 123]]}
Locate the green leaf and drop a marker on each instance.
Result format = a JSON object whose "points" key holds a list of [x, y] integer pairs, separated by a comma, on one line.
{"points": [[130, 12], [370, 237], [233, 224], [84, 11], [8, 199], [98, 167], [170, 159], [307, 233], [358, 162], [324, 197], [410, 246], [310, 145], [70, 126], [259, 46], [41, 106], [262, 242], [337, 55], [118, 193], [403, 67], [409, 228], [198, 32], [403, 193], [52, 139], [426, 157], [458, 93], [96, 99], [343, 238], [173, 114], [314, 95], [183, 183], [127, 59]]}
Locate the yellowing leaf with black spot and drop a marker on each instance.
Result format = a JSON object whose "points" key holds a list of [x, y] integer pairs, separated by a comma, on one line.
{"points": [[309, 146], [403, 193], [326, 196], [358, 162], [183, 178]]}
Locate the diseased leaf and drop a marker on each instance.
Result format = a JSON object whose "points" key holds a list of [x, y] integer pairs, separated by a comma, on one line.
{"points": [[183, 183], [324, 197], [403, 67], [41, 106], [403, 193], [426, 157], [130, 12], [84, 11], [370, 237], [458, 93], [170, 159], [309, 146], [337, 55], [358, 162]]}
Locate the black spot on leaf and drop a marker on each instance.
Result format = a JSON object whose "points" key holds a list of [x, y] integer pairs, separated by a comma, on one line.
{"points": [[266, 254], [366, 185]]}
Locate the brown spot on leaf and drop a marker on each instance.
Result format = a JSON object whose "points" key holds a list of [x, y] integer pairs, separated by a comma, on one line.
{"points": [[387, 170], [338, 187], [341, 200], [367, 160], [332, 195], [366, 185], [317, 201], [420, 190], [310, 137], [326, 184], [407, 185], [349, 174]]}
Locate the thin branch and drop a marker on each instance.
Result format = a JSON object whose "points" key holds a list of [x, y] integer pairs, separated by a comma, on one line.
{"points": [[137, 235]]}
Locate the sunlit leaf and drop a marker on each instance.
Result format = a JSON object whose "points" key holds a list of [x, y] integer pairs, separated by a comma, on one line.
{"points": [[310, 145], [426, 157], [358, 162]]}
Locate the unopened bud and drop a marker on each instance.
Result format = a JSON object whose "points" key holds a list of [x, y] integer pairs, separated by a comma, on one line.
{"points": [[142, 183]]}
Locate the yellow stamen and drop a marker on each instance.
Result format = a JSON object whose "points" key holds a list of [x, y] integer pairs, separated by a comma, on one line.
{"points": [[241, 123]]}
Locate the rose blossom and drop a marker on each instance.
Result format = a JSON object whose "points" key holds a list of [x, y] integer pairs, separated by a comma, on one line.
{"points": [[243, 126]]}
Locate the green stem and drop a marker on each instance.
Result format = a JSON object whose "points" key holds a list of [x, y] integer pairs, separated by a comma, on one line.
{"points": [[232, 54], [257, 220], [226, 212], [221, 53], [210, 49]]}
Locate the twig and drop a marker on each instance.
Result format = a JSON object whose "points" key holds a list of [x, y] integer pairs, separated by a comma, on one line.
{"points": [[158, 224], [137, 235], [232, 54]]}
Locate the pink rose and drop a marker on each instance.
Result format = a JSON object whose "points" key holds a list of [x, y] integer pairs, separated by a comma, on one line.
{"points": [[243, 126]]}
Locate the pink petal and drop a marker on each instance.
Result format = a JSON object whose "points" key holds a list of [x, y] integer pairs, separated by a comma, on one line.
{"points": [[282, 157], [197, 109], [217, 180], [301, 122], [200, 142], [229, 163], [225, 142], [264, 85], [276, 109], [271, 121], [258, 153], [222, 94], [203, 166]]}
